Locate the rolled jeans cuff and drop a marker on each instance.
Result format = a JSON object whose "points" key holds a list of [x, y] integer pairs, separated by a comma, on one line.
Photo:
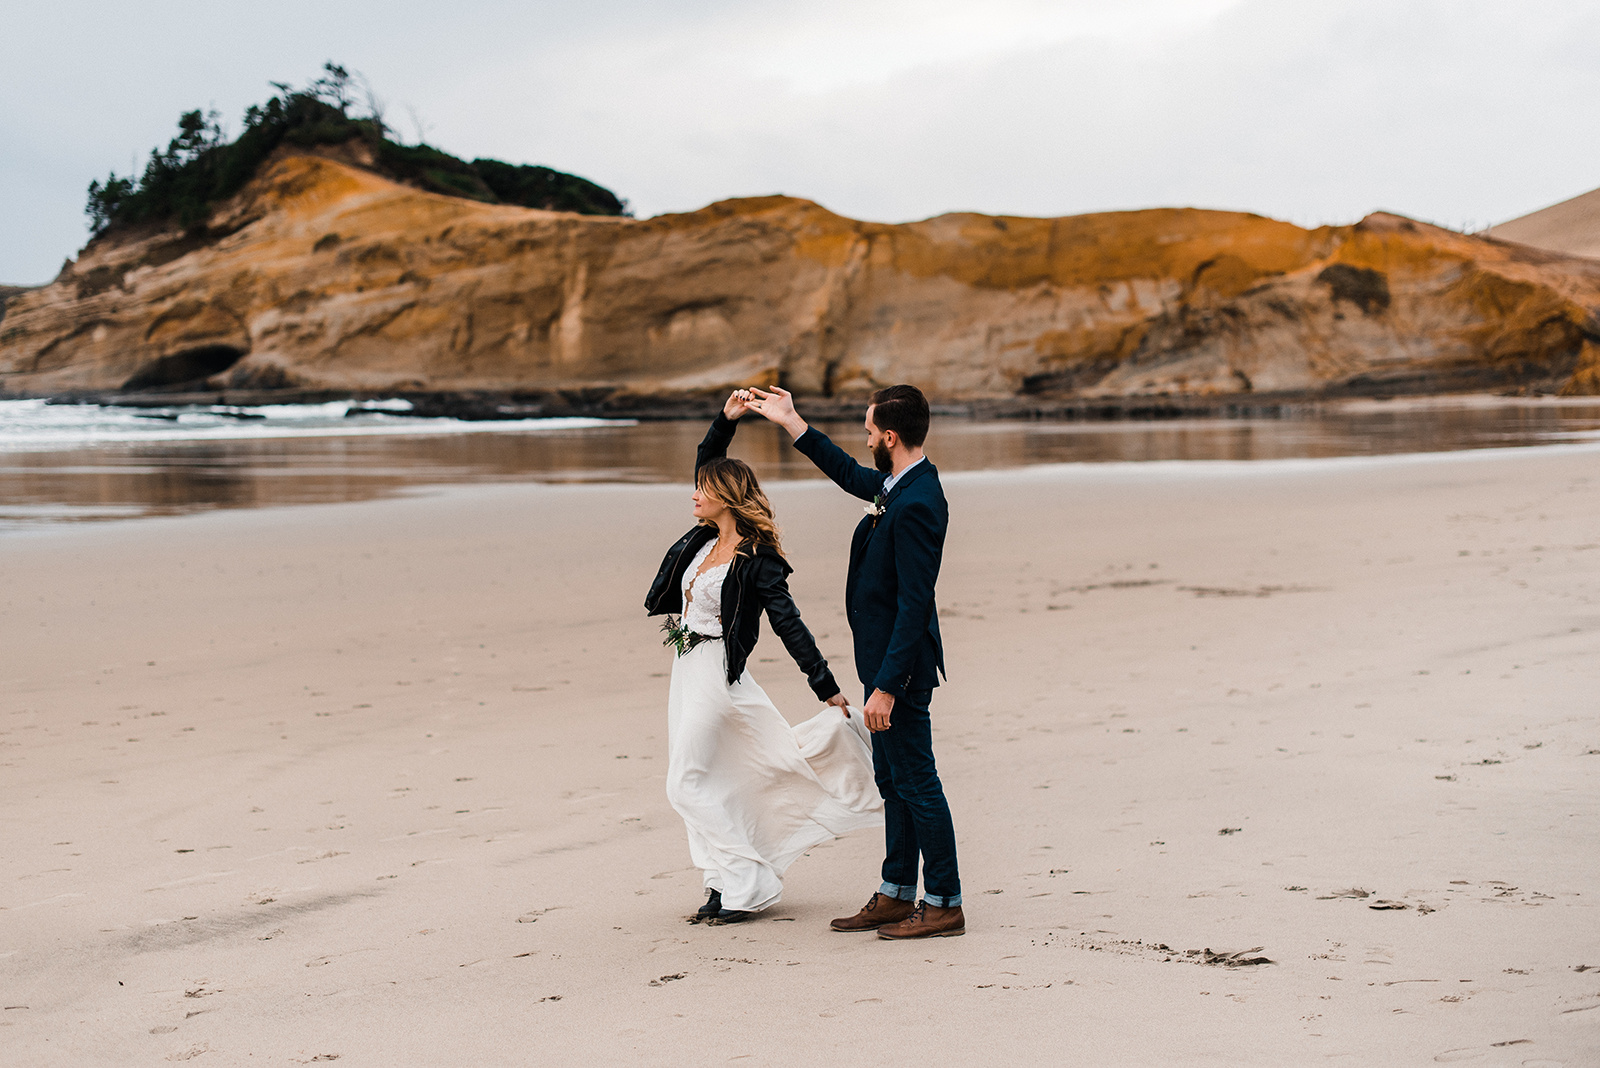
{"points": [[899, 893], [950, 902]]}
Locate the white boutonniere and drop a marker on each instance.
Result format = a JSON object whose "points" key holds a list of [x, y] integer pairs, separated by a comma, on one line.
{"points": [[876, 508]]}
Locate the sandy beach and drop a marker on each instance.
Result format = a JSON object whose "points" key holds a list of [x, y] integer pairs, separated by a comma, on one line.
{"points": [[382, 782]]}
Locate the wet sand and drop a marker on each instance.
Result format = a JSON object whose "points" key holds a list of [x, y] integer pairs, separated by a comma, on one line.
{"points": [[382, 781]]}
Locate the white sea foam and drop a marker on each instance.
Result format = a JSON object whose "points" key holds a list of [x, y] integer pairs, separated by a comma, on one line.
{"points": [[33, 425]]}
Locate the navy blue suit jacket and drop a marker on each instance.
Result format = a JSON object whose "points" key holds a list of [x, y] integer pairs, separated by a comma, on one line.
{"points": [[894, 563]]}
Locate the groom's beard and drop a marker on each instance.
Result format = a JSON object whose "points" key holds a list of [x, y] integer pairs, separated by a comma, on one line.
{"points": [[881, 458]]}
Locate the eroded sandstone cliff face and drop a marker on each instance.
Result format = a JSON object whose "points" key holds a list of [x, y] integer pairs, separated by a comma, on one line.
{"points": [[325, 276]]}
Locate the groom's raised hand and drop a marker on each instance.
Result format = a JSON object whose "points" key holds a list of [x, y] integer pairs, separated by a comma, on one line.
{"points": [[879, 706], [778, 405]]}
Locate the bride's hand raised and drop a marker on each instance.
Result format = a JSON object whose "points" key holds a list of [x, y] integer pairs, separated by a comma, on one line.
{"points": [[737, 404], [777, 404]]}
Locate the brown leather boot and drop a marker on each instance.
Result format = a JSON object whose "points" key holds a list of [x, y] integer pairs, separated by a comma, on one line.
{"points": [[927, 921], [874, 914]]}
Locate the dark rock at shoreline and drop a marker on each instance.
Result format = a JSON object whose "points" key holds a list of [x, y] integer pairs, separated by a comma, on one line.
{"points": [[601, 404]]}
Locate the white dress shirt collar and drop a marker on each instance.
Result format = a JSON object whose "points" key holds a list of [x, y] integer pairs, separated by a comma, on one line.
{"points": [[889, 483]]}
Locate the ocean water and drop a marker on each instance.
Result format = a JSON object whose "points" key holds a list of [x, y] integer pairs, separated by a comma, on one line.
{"points": [[74, 463], [35, 425]]}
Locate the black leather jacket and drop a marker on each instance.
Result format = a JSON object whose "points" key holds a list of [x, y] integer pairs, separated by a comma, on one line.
{"points": [[757, 581]]}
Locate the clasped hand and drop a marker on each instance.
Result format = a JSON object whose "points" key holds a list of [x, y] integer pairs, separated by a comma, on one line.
{"points": [[774, 403]]}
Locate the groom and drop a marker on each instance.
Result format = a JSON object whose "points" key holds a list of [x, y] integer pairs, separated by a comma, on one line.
{"points": [[894, 562]]}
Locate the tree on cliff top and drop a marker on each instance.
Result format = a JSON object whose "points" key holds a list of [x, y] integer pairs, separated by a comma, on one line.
{"points": [[200, 167]]}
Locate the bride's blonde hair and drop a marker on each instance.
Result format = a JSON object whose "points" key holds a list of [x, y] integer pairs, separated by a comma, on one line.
{"points": [[734, 484]]}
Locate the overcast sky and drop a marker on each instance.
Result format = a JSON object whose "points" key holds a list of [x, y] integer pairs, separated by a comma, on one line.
{"points": [[1463, 112]]}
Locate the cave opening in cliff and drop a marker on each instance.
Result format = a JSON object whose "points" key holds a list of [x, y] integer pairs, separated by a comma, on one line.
{"points": [[189, 367]]}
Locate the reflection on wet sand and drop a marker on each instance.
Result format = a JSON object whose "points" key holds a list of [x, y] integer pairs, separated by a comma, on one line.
{"points": [[166, 478]]}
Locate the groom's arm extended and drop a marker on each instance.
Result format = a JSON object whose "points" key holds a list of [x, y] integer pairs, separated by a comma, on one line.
{"points": [[858, 480], [918, 549], [855, 479]]}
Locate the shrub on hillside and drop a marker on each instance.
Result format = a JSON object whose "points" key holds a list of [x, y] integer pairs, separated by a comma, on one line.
{"points": [[200, 167], [541, 187]]}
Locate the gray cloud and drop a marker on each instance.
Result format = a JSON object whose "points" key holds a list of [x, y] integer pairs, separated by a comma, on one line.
{"points": [[1462, 112]]}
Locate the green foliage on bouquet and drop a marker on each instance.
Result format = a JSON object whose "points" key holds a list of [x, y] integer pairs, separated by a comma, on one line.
{"points": [[680, 637]]}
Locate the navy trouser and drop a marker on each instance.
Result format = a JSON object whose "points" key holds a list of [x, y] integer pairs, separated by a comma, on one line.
{"points": [[916, 817]]}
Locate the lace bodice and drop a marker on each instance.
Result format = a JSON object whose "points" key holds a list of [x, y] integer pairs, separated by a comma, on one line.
{"points": [[702, 597]]}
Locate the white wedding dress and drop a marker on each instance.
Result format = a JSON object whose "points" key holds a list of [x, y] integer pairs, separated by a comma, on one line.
{"points": [[754, 792]]}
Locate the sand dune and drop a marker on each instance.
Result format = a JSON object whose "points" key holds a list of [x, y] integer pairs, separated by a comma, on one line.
{"points": [[1571, 227], [382, 782]]}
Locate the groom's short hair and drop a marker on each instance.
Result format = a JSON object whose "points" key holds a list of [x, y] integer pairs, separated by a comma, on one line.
{"points": [[904, 410]]}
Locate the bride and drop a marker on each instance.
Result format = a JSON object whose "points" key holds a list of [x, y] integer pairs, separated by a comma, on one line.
{"points": [[754, 792]]}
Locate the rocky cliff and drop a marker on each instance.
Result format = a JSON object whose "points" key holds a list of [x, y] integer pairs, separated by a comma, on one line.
{"points": [[7, 292], [323, 276]]}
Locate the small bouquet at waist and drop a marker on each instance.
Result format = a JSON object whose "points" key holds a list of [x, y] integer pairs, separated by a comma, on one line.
{"points": [[681, 637]]}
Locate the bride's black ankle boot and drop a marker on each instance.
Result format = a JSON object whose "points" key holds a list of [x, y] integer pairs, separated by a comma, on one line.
{"points": [[712, 906]]}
